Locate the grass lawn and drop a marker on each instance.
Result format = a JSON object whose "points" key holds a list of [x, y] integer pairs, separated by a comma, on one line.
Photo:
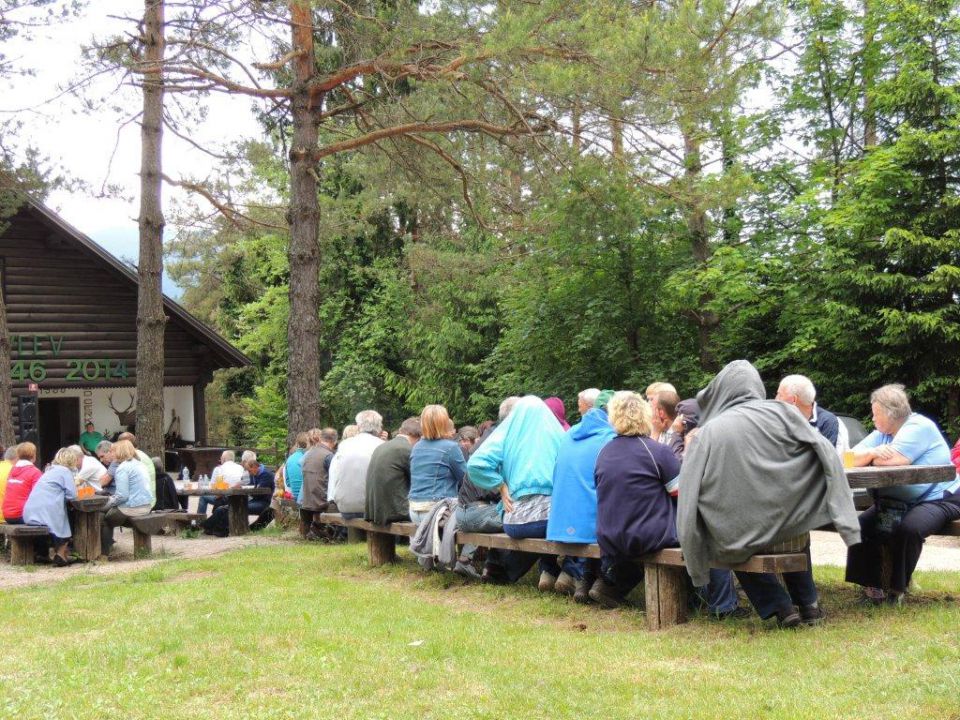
{"points": [[306, 631]]}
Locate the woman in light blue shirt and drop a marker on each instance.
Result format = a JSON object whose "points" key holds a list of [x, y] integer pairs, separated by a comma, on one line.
{"points": [[902, 516], [132, 497], [47, 502]]}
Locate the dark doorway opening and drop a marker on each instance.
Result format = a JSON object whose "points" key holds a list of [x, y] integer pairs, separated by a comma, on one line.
{"points": [[59, 426]]}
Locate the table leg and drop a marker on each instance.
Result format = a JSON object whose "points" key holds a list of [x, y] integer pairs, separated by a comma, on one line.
{"points": [[86, 535], [239, 520]]}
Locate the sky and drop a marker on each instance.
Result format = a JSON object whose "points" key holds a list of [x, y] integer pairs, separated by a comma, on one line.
{"points": [[88, 141]]}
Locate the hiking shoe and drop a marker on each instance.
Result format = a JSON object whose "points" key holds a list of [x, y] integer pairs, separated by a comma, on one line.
{"points": [[581, 591], [737, 613], [811, 614], [894, 598], [467, 570], [565, 584], [873, 596], [547, 582], [788, 620], [493, 575], [603, 593]]}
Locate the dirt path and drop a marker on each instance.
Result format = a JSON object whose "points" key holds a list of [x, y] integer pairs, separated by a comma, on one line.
{"points": [[121, 560]]}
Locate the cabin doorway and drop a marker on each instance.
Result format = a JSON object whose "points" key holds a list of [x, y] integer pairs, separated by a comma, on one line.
{"points": [[59, 426]]}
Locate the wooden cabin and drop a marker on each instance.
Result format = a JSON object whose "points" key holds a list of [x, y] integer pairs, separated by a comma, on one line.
{"points": [[72, 321]]}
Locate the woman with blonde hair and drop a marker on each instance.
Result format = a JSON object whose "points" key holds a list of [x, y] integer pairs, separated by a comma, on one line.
{"points": [[635, 514], [23, 476], [132, 497], [436, 463], [47, 502]]}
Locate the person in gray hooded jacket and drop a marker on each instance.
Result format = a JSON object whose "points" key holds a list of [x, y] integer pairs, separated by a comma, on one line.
{"points": [[756, 475]]}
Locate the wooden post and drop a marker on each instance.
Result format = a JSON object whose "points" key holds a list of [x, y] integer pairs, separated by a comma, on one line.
{"points": [[21, 550], [239, 522], [142, 544], [381, 548], [665, 589], [86, 534]]}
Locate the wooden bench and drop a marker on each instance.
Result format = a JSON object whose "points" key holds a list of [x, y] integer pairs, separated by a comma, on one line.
{"points": [[665, 584], [22, 539], [146, 526]]}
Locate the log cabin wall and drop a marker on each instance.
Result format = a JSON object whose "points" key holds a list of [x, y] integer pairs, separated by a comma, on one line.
{"points": [[72, 315]]}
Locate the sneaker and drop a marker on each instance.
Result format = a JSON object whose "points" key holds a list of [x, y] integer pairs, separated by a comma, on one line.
{"points": [[737, 613], [581, 591], [811, 614], [547, 582], [788, 620], [565, 584], [493, 575], [603, 593], [467, 570]]}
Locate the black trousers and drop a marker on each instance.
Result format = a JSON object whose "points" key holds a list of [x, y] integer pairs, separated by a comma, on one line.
{"points": [[864, 561]]}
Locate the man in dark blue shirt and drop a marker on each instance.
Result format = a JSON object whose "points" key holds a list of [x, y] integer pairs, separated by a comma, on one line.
{"points": [[798, 390]]}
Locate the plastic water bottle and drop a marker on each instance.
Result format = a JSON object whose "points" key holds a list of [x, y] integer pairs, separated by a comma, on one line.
{"points": [[204, 483], [185, 475]]}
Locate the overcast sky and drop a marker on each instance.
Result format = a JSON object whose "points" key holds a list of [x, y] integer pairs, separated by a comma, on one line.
{"points": [[82, 140]]}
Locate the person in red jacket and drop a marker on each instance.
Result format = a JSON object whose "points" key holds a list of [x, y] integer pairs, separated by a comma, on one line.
{"points": [[23, 476], [955, 456]]}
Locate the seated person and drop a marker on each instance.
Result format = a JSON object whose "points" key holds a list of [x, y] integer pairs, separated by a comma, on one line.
{"points": [[228, 471], [293, 467], [517, 459], [573, 509], [219, 521], [635, 514], [903, 516], [132, 495], [90, 470], [9, 458], [147, 462], [167, 498], [436, 463], [321, 445], [47, 502], [348, 469], [23, 476], [758, 474], [90, 438], [388, 476], [105, 456], [479, 510]]}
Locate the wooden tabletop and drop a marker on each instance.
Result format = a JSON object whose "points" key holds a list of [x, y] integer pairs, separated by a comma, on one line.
{"points": [[90, 504], [880, 477], [226, 493]]}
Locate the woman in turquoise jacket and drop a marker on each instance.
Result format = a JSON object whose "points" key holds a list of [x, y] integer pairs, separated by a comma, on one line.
{"points": [[518, 459]]}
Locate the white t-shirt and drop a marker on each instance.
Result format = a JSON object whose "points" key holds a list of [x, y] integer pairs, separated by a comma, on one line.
{"points": [[91, 471], [230, 471]]}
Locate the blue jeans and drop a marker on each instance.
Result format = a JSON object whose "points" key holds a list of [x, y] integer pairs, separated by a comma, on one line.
{"points": [[205, 502], [720, 594], [478, 518], [769, 597], [517, 563]]}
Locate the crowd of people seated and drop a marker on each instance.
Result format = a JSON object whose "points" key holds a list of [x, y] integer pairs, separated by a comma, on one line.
{"points": [[725, 475]]}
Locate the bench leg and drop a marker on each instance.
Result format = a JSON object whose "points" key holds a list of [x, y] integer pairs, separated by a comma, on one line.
{"points": [[381, 548], [665, 590], [142, 544], [21, 551]]}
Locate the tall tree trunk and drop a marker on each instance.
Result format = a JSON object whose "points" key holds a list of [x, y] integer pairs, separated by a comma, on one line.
{"points": [[150, 315], [303, 325], [868, 75], [7, 437], [706, 320]]}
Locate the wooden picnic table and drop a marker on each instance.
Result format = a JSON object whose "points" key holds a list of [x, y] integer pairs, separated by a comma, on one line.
{"points": [[238, 500], [87, 519], [875, 476]]}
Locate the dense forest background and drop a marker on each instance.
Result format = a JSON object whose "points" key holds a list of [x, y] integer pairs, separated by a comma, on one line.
{"points": [[686, 183]]}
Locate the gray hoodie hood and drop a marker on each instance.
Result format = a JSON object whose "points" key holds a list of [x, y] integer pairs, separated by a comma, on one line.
{"points": [[737, 383]]}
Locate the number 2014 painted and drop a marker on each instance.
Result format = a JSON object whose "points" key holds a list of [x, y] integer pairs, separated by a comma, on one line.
{"points": [[78, 370]]}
